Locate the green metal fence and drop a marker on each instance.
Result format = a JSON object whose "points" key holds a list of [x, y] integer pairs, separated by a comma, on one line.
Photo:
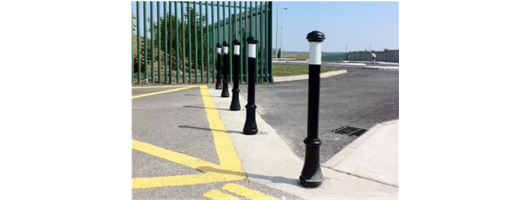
{"points": [[175, 42], [330, 57]]}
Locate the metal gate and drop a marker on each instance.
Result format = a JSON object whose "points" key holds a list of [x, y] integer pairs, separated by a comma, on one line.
{"points": [[175, 42]]}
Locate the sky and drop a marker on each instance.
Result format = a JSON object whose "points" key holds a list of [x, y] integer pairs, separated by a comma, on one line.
{"points": [[347, 25]]}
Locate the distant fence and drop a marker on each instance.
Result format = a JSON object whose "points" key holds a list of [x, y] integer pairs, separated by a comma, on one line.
{"points": [[175, 42], [332, 57], [382, 56]]}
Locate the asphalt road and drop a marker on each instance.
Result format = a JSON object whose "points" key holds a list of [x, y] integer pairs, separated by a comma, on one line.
{"points": [[360, 98]]}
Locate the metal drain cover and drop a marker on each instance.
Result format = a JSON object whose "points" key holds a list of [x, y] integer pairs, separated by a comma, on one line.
{"points": [[350, 131]]}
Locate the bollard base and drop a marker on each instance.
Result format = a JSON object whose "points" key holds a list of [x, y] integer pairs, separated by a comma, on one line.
{"points": [[234, 105], [250, 131], [311, 173], [218, 86], [250, 128], [311, 176], [313, 181], [225, 93]]}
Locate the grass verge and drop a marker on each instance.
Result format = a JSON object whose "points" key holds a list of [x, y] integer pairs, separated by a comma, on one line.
{"points": [[292, 70]]}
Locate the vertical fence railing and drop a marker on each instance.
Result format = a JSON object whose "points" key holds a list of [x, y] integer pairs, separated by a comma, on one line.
{"points": [[133, 63], [165, 41], [240, 33], [158, 32], [175, 42], [138, 60], [170, 70]]}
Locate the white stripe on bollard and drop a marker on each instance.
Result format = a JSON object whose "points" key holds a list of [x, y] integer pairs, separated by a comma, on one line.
{"points": [[225, 49], [219, 50], [252, 50], [236, 49], [315, 52]]}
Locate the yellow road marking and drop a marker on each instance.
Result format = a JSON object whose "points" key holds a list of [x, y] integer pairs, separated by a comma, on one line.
{"points": [[160, 86], [245, 192], [216, 194], [229, 168], [179, 158], [181, 180], [223, 144], [162, 92]]}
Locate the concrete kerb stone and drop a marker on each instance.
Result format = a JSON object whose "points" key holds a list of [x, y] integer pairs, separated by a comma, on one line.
{"points": [[379, 68]]}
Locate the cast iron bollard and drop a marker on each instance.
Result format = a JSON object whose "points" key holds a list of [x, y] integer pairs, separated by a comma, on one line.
{"points": [[225, 93], [218, 81], [251, 128], [235, 82], [311, 173]]}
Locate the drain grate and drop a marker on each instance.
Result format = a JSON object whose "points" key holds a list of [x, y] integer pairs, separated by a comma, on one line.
{"points": [[350, 131]]}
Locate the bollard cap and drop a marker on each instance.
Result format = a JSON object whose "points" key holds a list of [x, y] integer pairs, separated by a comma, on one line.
{"points": [[316, 36], [236, 42], [252, 40], [218, 45], [225, 43]]}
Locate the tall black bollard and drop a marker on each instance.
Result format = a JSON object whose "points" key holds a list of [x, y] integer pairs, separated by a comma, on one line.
{"points": [[218, 81], [311, 173], [225, 93], [235, 75], [251, 128]]}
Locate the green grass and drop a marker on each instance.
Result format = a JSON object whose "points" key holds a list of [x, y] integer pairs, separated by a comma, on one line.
{"points": [[291, 70]]}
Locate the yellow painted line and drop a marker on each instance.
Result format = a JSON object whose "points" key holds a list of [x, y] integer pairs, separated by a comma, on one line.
{"points": [[228, 158], [182, 180], [229, 168], [160, 86], [216, 194], [179, 158], [245, 192], [162, 92]]}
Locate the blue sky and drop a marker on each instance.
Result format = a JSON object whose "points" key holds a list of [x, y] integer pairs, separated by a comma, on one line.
{"points": [[359, 25]]}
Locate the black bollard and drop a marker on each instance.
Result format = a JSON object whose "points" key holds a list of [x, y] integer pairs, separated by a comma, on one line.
{"points": [[311, 173], [226, 66], [218, 81], [235, 77], [251, 128]]}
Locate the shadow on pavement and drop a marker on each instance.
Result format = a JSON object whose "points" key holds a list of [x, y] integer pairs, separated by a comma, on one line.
{"points": [[209, 129], [206, 108], [203, 95], [274, 179]]}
